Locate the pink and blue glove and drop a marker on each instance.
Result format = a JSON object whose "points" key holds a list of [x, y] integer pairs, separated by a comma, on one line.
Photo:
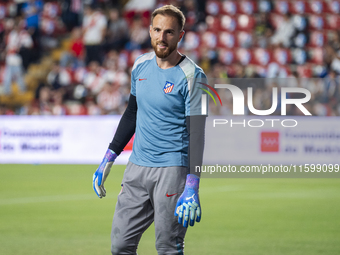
{"points": [[102, 172], [188, 204]]}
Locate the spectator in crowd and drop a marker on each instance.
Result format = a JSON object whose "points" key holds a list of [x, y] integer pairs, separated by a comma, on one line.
{"points": [[284, 32], [91, 107], [94, 79], [19, 6], [58, 77], [139, 35], [189, 10], [94, 29], [57, 106], [335, 41], [111, 59], [117, 31], [71, 12], [113, 73], [123, 40], [44, 101], [16, 39], [332, 90], [110, 99], [4, 110], [32, 10], [263, 30], [75, 55]]}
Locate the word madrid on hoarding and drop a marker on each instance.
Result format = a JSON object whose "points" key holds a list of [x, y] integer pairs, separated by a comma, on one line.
{"points": [[238, 106]]}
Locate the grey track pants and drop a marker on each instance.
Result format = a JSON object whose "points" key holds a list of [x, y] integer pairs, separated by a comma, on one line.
{"points": [[149, 194]]}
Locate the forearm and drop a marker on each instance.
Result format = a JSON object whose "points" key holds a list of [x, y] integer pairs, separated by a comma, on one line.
{"points": [[126, 127], [196, 129]]}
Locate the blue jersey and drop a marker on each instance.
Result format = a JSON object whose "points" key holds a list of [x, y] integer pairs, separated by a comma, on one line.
{"points": [[164, 98]]}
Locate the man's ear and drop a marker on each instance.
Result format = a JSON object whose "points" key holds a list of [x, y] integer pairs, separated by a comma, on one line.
{"points": [[181, 35]]}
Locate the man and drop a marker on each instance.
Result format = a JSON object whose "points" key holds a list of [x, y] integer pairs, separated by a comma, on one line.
{"points": [[17, 39], [159, 182], [94, 29]]}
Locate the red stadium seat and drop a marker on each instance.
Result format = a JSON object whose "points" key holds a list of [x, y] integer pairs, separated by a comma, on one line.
{"points": [[213, 8], [246, 7], [261, 57], [317, 22], [304, 71], [226, 40], [245, 22], [315, 55], [229, 7], [244, 39], [298, 7], [275, 19], [264, 6], [299, 56], [282, 56], [209, 39], [191, 41], [226, 56], [213, 23], [317, 39], [315, 7], [333, 22], [228, 23], [281, 6], [272, 70], [244, 56], [333, 7], [146, 17]]}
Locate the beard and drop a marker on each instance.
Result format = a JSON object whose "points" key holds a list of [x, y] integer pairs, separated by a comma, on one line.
{"points": [[162, 53]]}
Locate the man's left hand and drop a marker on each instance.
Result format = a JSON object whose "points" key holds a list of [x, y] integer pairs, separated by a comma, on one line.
{"points": [[188, 204]]}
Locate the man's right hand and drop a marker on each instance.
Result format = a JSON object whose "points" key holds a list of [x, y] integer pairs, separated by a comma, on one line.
{"points": [[102, 172]]}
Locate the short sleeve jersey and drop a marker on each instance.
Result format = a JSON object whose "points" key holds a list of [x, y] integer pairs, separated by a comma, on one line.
{"points": [[165, 97]]}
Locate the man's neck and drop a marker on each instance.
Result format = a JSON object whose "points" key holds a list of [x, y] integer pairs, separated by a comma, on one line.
{"points": [[170, 61]]}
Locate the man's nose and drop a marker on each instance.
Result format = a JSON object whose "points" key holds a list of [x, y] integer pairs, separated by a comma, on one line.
{"points": [[162, 36]]}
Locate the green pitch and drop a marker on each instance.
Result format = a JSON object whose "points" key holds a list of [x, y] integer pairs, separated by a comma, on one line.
{"points": [[52, 209]]}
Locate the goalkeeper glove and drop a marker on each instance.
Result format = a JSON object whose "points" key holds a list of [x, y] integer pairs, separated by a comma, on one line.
{"points": [[102, 172], [188, 204]]}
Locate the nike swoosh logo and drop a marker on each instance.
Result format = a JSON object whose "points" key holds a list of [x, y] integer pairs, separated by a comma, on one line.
{"points": [[170, 195], [142, 79]]}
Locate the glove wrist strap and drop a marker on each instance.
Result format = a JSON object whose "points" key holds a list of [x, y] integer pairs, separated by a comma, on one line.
{"points": [[192, 181], [110, 155]]}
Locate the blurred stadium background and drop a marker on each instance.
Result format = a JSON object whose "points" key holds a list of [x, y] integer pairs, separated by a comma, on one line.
{"points": [[235, 39], [59, 91]]}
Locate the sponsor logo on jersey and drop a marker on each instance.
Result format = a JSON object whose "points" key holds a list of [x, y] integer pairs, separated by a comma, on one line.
{"points": [[168, 87]]}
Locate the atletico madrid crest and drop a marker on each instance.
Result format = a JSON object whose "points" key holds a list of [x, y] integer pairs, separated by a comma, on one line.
{"points": [[168, 87]]}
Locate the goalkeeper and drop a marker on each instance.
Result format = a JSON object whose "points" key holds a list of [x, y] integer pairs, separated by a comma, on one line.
{"points": [[164, 113]]}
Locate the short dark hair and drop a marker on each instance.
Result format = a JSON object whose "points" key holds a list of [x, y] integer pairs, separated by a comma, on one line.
{"points": [[171, 11]]}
